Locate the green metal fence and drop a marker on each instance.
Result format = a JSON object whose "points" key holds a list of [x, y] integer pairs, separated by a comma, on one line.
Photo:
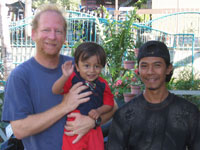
{"points": [[184, 47]]}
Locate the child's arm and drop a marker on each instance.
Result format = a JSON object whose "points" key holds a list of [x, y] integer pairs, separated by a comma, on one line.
{"points": [[95, 113], [67, 69]]}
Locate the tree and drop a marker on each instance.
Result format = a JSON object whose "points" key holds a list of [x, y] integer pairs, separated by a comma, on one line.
{"points": [[135, 3], [139, 4]]}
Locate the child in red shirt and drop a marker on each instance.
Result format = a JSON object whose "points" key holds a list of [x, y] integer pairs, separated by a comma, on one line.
{"points": [[90, 58]]}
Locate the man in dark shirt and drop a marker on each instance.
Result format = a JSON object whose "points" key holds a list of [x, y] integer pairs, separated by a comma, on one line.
{"points": [[155, 119]]}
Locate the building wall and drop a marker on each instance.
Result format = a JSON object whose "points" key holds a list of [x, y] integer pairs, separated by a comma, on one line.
{"points": [[186, 23], [189, 23], [175, 4]]}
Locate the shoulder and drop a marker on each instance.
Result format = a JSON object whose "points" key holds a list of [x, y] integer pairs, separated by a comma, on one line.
{"points": [[128, 110], [73, 76], [66, 58], [23, 68], [184, 105], [19, 77], [102, 80]]}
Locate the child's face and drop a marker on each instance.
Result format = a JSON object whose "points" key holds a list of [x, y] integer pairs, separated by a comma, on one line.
{"points": [[89, 69]]}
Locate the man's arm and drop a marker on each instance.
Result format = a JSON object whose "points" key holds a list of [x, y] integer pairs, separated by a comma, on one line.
{"points": [[36, 123], [82, 124]]}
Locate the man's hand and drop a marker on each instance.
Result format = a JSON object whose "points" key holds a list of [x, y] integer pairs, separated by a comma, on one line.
{"points": [[80, 126], [74, 97], [67, 68], [27, 126]]}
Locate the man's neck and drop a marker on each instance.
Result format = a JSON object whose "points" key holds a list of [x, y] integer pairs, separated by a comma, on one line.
{"points": [[156, 96], [50, 62]]}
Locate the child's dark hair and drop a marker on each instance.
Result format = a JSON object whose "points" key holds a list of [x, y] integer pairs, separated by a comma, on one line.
{"points": [[89, 49]]}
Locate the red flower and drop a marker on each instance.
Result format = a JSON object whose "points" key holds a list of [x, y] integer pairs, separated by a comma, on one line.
{"points": [[136, 71], [119, 82], [134, 79], [116, 93]]}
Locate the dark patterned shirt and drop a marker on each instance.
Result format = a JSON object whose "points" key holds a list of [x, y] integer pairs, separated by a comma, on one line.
{"points": [[173, 124]]}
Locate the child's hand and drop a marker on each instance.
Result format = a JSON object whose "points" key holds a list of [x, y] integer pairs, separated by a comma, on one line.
{"points": [[67, 68], [94, 114]]}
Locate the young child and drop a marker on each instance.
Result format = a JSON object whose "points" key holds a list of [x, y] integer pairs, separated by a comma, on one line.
{"points": [[90, 58]]}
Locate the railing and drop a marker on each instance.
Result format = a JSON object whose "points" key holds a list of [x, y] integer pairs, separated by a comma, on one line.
{"points": [[183, 47], [186, 92]]}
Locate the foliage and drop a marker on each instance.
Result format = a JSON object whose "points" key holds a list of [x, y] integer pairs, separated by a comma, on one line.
{"points": [[124, 81], [193, 99], [116, 39], [2, 124], [186, 80], [135, 79], [1, 103], [78, 30], [139, 42], [130, 55], [75, 46], [140, 3]]}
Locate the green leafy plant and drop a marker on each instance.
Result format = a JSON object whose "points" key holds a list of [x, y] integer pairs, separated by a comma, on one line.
{"points": [[117, 38], [135, 79], [124, 81], [2, 124], [76, 44], [1, 103], [130, 55], [186, 80], [120, 86], [138, 42]]}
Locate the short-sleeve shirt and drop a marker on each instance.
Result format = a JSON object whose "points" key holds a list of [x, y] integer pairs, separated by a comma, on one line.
{"points": [[29, 91]]}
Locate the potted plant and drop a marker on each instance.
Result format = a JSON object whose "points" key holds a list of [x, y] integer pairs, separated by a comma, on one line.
{"points": [[124, 84], [120, 86], [136, 83], [128, 97], [130, 60], [116, 37]]}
